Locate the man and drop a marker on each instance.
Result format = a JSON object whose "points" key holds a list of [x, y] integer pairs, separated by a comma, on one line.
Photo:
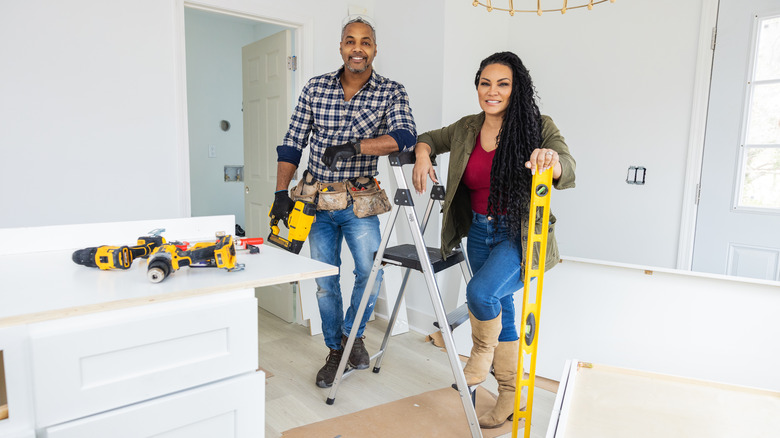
{"points": [[351, 117]]}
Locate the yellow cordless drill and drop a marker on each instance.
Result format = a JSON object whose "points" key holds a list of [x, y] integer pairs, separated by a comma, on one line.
{"points": [[299, 224], [169, 257], [119, 257]]}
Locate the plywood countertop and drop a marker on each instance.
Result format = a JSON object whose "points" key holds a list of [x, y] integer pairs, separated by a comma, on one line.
{"points": [[48, 285]]}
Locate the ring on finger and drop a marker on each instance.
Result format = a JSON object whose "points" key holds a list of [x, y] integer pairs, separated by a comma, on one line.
{"points": [[549, 153]]}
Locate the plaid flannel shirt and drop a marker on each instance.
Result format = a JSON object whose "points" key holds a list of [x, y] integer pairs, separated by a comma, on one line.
{"points": [[380, 107]]}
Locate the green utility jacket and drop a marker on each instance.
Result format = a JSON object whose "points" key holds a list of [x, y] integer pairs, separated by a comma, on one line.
{"points": [[459, 139]]}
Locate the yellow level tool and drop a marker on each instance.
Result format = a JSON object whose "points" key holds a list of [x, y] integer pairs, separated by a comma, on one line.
{"points": [[537, 243]]}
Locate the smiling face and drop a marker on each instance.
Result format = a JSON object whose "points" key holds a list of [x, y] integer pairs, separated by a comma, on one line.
{"points": [[494, 88], [357, 47]]}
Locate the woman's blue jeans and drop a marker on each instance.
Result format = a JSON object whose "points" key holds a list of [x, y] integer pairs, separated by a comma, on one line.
{"points": [[496, 263], [363, 237]]}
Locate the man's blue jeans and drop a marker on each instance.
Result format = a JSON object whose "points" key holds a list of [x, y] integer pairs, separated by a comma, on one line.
{"points": [[363, 238], [496, 263]]}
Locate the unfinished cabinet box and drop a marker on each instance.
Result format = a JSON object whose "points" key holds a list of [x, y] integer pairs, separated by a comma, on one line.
{"points": [[597, 400], [3, 392], [16, 412]]}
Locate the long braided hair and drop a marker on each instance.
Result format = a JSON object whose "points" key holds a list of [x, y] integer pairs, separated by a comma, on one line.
{"points": [[520, 134]]}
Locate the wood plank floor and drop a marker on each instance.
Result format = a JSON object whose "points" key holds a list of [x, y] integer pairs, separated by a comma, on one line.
{"points": [[411, 366]]}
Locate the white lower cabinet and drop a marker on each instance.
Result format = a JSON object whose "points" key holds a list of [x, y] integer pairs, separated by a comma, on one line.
{"points": [[103, 361], [230, 408]]}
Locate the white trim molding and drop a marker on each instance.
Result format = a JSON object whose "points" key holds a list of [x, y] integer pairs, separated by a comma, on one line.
{"points": [[701, 99]]}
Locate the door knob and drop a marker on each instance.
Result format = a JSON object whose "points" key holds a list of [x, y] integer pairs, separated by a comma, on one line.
{"points": [[246, 189]]}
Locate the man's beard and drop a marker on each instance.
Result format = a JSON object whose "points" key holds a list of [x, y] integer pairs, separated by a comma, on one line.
{"points": [[356, 70]]}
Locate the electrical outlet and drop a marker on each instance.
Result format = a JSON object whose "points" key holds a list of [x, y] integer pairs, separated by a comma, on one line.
{"points": [[212, 151]]}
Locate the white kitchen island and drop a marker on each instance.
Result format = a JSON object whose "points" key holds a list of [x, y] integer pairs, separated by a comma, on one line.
{"points": [[91, 353]]}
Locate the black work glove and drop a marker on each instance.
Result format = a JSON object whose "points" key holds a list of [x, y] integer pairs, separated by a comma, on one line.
{"points": [[282, 206], [335, 154]]}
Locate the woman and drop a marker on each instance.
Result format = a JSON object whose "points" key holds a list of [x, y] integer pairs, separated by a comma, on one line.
{"points": [[493, 157]]}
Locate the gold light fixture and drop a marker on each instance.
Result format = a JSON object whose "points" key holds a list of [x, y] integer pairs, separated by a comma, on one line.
{"points": [[539, 10]]}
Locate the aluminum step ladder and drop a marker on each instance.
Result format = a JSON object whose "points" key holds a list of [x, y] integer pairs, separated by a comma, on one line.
{"points": [[426, 260]]}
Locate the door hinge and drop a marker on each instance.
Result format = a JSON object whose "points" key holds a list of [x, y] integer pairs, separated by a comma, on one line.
{"points": [[292, 63], [714, 37], [698, 193]]}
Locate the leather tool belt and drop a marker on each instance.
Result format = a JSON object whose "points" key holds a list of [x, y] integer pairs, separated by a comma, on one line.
{"points": [[364, 193]]}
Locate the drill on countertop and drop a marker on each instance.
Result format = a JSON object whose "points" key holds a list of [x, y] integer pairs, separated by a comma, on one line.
{"points": [[119, 257], [299, 224], [169, 257]]}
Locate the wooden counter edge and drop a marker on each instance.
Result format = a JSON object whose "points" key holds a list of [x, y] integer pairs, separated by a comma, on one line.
{"points": [[140, 301]]}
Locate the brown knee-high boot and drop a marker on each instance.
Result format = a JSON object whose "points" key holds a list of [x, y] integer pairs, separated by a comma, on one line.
{"points": [[484, 335], [505, 369]]}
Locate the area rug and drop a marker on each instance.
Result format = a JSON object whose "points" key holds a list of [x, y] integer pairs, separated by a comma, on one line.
{"points": [[433, 414]]}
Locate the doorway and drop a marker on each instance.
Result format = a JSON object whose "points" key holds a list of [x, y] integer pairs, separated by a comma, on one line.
{"points": [[732, 238], [214, 43], [220, 169]]}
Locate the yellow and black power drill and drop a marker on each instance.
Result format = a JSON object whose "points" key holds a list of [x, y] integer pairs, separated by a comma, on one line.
{"points": [[169, 257], [119, 257], [299, 224]]}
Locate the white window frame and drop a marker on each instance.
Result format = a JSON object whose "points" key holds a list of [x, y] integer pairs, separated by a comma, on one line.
{"points": [[750, 84]]}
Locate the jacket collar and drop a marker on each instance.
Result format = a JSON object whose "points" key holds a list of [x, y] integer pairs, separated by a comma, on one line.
{"points": [[474, 124]]}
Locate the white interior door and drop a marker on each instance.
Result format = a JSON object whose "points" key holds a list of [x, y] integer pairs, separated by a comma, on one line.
{"points": [[267, 87], [731, 240]]}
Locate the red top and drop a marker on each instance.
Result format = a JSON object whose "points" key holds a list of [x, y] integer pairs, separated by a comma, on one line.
{"points": [[477, 177]]}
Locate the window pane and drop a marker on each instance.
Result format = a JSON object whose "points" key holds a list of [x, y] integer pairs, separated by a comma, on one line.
{"points": [[764, 125], [761, 186], [768, 60]]}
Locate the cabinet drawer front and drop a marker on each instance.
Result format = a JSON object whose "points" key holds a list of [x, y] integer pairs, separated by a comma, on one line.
{"points": [[229, 408], [97, 362]]}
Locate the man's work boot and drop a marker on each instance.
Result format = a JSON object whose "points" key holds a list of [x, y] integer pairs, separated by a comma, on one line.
{"points": [[327, 373], [484, 335], [358, 357], [505, 369]]}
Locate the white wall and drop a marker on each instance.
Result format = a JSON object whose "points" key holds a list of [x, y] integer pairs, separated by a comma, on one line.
{"points": [[618, 82], [619, 89], [91, 112], [413, 57]]}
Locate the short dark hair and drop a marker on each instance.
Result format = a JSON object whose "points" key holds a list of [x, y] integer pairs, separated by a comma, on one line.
{"points": [[358, 19]]}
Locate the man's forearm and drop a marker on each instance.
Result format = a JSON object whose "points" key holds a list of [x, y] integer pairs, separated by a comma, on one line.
{"points": [[380, 146], [284, 174]]}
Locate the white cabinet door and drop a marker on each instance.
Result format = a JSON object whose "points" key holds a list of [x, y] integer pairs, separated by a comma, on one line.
{"points": [[735, 241], [97, 362], [230, 408]]}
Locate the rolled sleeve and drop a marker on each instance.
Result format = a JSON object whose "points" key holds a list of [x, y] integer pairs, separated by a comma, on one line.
{"points": [[289, 155], [552, 139], [400, 121]]}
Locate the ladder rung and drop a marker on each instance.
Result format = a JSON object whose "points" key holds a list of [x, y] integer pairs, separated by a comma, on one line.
{"points": [[406, 255], [456, 317]]}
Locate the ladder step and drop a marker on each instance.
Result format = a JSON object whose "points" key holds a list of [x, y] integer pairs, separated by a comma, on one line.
{"points": [[456, 317], [406, 255]]}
